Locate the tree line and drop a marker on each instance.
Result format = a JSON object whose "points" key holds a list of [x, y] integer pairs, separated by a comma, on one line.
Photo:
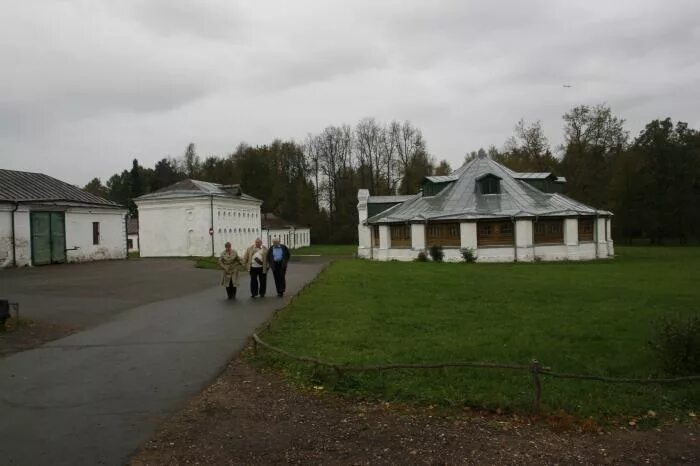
{"points": [[651, 183]]}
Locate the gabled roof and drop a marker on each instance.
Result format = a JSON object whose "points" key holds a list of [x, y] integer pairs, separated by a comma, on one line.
{"points": [[196, 188], [26, 187], [461, 201]]}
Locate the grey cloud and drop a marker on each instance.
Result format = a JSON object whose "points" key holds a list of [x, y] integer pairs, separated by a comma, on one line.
{"points": [[205, 19], [145, 77]]}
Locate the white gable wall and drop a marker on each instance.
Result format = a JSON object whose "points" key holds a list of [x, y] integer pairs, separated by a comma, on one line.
{"points": [[181, 227]]}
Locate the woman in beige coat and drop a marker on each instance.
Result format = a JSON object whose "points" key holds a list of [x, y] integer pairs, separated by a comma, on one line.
{"points": [[231, 264]]}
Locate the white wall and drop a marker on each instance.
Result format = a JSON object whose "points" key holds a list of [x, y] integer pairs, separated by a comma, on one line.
{"points": [[384, 236], [571, 238], [524, 240], [6, 237], [181, 227], [418, 236], [236, 222], [112, 239], [78, 224]]}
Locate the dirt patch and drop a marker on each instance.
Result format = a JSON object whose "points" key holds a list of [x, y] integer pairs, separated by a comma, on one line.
{"points": [[29, 334], [254, 417]]}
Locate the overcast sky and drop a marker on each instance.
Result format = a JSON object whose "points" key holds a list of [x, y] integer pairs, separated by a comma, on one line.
{"points": [[88, 85]]}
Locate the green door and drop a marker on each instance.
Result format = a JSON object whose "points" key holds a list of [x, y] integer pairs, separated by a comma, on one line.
{"points": [[48, 237], [58, 237]]}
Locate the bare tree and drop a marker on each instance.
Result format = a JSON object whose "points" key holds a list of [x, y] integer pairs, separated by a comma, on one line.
{"points": [[388, 148], [413, 158], [368, 140]]}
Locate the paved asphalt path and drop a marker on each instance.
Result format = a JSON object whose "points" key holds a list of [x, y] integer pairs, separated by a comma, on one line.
{"points": [[94, 397]]}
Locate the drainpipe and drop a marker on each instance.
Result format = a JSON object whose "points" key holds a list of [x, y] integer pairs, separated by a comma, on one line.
{"points": [[515, 240], [14, 242], [211, 211], [126, 234]]}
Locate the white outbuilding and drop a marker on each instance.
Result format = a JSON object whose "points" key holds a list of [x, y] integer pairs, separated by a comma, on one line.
{"points": [[47, 221], [498, 214], [196, 218], [292, 235]]}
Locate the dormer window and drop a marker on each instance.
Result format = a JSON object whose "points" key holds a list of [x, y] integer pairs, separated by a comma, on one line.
{"points": [[488, 184]]}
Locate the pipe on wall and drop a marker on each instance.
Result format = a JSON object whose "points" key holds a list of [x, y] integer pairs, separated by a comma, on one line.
{"points": [[14, 241], [211, 211]]}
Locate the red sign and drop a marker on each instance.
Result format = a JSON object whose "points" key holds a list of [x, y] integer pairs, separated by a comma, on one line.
{"points": [[211, 231]]}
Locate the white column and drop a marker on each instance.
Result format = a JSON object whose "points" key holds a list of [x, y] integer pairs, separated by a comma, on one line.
{"points": [[418, 236], [524, 240], [602, 243], [611, 247], [364, 232], [384, 238], [571, 238], [467, 234]]}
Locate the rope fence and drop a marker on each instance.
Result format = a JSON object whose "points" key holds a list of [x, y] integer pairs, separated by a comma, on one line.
{"points": [[535, 368]]}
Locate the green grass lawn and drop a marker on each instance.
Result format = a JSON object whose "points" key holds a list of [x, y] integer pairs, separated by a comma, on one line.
{"points": [[592, 318], [336, 250]]}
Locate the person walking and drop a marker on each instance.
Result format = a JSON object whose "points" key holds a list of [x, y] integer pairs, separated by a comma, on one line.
{"points": [[231, 265], [278, 258], [255, 261]]}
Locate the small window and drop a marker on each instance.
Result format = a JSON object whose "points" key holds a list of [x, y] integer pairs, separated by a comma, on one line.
{"points": [[495, 233], [489, 184], [549, 231], [585, 229], [443, 234], [130, 243], [95, 232], [400, 236]]}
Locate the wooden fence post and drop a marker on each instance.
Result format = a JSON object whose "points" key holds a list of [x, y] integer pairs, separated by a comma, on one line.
{"points": [[535, 368]]}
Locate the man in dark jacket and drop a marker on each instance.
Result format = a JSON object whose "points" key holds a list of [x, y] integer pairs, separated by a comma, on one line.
{"points": [[277, 258]]}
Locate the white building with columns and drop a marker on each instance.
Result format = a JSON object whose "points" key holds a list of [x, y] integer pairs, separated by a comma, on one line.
{"points": [[196, 218], [502, 215]]}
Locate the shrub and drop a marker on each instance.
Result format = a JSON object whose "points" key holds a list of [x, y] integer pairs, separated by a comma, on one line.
{"points": [[677, 343], [468, 255], [436, 253], [422, 257]]}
